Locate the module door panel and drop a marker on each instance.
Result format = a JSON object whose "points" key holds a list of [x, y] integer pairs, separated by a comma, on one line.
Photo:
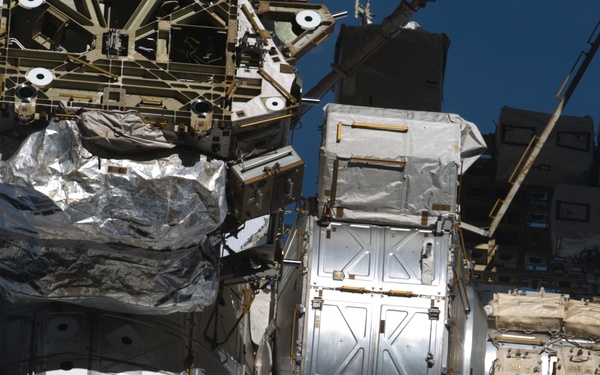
{"points": [[409, 343], [345, 255], [339, 340], [414, 261], [127, 344]]}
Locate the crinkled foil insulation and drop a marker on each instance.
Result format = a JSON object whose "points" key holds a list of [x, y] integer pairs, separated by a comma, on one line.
{"points": [[118, 234]]}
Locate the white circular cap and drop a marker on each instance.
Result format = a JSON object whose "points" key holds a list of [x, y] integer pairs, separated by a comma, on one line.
{"points": [[308, 19], [275, 103], [40, 76], [30, 4]]}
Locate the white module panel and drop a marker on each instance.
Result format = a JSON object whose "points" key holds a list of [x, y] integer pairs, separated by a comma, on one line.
{"points": [[381, 259], [373, 334]]}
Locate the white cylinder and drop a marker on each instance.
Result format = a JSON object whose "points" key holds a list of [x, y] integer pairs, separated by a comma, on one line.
{"points": [[308, 19], [40, 76], [30, 4], [275, 103]]}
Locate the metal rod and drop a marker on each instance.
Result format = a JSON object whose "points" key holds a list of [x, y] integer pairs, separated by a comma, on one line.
{"points": [[549, 127]]}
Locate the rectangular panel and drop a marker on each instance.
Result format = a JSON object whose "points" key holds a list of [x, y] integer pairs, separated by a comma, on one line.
{"points": [[346, 255], [340, 335], [373, 334], [415, 261], [380, 258], [62, 337], [15, 344], [129, 344], [413, 340], [566, 157]]}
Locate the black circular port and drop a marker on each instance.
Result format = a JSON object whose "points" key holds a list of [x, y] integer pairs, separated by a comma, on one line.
{"points": [[536, 259], [308, 19], [62, 327], [66, 366], [126, 340], [40, 76], [25, 92], [202, 107]]}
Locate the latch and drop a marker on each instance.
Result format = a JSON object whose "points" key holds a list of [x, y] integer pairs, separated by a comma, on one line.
{"points": [[338, 275], [430, 359], [433, 312], [317, 303]]}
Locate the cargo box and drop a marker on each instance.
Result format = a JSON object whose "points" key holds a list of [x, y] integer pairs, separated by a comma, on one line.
{"points": [[264, 184], [386, 166]]}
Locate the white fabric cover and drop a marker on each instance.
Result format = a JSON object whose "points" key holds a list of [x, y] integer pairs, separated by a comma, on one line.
{"points": [[529, 313], [380, 190], [582, 320]]}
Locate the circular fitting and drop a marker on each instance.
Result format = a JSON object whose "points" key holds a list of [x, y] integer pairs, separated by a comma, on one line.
{"points": [[275, 103], [30, 4], [202, 107], [25, 92], [308, 19], [63, 327], [40, 76]]}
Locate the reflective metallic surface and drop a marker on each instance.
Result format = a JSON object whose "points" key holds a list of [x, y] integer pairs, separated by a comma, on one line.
{"points": [[85, 229]]}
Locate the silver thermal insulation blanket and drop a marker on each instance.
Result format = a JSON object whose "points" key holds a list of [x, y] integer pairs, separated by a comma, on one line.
{"points": [[567, 155], [529, 313], [574, 220], [395, 167], [123, 132], [582, 320], [79, 227]]}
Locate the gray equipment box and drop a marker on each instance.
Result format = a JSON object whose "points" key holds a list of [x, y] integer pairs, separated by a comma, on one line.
{"points": [[567, 156], [392, 167], [264, 184], [575, 219], [407, 72]]}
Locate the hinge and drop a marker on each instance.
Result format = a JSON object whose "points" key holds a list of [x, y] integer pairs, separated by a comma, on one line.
{"points": [[391, 293], [354, 289], [400, 293]]}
